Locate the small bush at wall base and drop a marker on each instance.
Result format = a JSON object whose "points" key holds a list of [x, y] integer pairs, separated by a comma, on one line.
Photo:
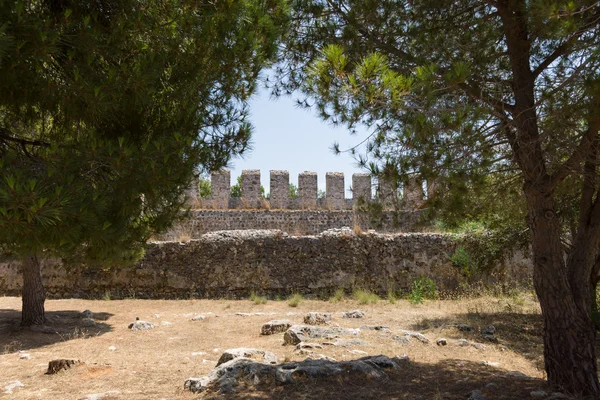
{"points": [[337, 296], [391, 296], [295, 300], [257, 299], [365, 297], [423, 288]]}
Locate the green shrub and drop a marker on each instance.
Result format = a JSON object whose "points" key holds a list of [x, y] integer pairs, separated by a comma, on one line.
{"points": [[257, 299], [423, 288], [337, 296], [391, 296], [295, 300], [365, 297], [463, 261]]}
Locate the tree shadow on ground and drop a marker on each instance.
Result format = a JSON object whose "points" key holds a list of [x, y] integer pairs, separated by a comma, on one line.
{"points": [[60, 327], [446, 380]]}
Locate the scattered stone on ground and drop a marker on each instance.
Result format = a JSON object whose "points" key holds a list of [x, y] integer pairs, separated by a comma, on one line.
{"points": [[139, 325], [88, 322], [358, 352], [8, 389], [441, 341], [401, 339], [478, 346], [347, 343], [517, 374], [490, 363], [55, 366], [112, 348], [462, 342], [225, 378], [353, 314], [464, 328], [87, 314], [317, 318], [490, 330], [477, 395], [198, 353], [375, 328], [165, 323], [199, 317], [275, 326], [315, 356], [490, 338], [242, 352], [24, 356], [417, 335], [302, 333], [308, 346]]}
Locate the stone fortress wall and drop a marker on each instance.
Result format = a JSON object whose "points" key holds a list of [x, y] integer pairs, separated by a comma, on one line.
{"points": [[308, 214], [235, 263]]}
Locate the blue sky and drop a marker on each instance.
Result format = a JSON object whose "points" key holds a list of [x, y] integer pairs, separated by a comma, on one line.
{"points": [[294, 139]]}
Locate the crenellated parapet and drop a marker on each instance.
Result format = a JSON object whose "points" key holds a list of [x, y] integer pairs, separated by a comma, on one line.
{"points": [[309, 197]]}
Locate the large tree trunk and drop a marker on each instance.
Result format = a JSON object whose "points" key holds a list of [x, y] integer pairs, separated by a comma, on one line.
{"points": [[33, 293], [569, 334]]}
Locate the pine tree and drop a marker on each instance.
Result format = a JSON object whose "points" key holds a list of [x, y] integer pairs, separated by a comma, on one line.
{"points": [[106, 109], [465, 93]]}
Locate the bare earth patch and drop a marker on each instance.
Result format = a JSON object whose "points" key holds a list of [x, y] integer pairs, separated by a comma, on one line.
{"points": [[154, 364]]}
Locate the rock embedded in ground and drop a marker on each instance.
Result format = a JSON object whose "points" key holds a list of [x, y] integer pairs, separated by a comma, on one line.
{"points": [[441, 342], [382, 328], [347, 343], [490, 330], [353, 314], [464, 328], [8, 389], [490, 363], [275, 326], [165, 323], [55, 366], [99, 396], [24, 356], [308, 346], [358, 352], [225, 378], [462, 342], [243, 352], [417, 335], [302, 333], [490, 338], [317, 318], [199, 317], [478, 346], [401, 339], [140, 325]]}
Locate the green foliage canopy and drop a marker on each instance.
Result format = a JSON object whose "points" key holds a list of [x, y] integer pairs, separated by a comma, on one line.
{"points": [[106, 108]]}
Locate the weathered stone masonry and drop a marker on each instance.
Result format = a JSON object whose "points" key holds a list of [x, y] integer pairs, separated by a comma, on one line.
{"points": [[269, 262]]}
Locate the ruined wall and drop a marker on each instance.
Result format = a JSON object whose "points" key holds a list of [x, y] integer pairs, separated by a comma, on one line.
{"points": [[271, 262], [295, 222]]}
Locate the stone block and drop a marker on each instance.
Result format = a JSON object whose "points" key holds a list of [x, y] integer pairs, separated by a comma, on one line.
{"points": [[280, 189], [334, 188], [307, 189]]}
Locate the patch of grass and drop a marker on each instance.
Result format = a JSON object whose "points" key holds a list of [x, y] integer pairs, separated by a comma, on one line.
{"points": [[106, 296], [337, 296], [295, 300], [391, 296], [365, 297], [256, 299], [423, 288]]}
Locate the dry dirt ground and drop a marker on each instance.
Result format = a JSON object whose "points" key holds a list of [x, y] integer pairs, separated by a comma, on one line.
{"points": [[154, 364]]}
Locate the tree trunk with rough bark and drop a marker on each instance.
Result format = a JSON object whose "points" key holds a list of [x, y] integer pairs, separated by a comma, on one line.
{"points": [[569, 334], [33, 294]]}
